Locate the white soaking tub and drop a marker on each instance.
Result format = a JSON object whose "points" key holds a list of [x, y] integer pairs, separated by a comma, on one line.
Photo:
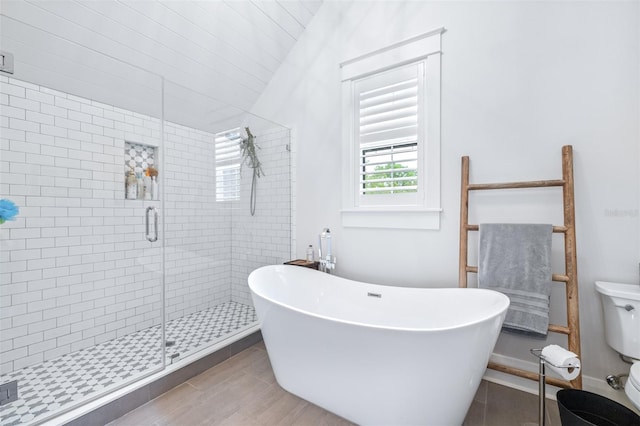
{"points": [[376, 355]]}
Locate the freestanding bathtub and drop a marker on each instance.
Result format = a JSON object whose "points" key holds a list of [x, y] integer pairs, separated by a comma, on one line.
{"points": [[376, 355]]}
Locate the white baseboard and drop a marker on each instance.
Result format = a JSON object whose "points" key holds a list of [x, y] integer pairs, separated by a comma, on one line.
{"points": [[591, 384]]}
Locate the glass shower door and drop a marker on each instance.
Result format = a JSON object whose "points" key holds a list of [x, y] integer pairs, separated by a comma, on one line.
{"points": [[213, 237], [81, 264]]}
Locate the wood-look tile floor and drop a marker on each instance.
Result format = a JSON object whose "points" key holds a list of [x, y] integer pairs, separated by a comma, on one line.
{"points": [[242, 391]]}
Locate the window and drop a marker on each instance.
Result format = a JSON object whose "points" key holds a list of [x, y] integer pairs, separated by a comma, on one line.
{"points": [[228, 165], [391, 136], [389, 169]]}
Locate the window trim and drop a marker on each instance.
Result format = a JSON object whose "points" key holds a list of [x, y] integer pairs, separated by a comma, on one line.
{"points": [[426, 215]]}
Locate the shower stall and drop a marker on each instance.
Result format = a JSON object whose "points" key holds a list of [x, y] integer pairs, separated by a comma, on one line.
{"points": [[106, 280]]}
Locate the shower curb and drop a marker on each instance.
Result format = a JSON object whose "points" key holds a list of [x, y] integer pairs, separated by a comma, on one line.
{"points": [[121, 406]]}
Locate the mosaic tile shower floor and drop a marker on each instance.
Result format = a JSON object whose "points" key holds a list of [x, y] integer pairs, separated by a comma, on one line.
{"points": [[60, 383]]}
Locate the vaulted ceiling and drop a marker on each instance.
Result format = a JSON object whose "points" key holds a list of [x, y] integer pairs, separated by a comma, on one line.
{"points": [[216, 56]]}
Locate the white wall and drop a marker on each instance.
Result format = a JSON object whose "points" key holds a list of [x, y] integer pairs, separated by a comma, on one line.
{"points": [[519, 80]]}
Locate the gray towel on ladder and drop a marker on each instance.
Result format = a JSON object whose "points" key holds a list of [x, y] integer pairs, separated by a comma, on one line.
{"points": [[515, 259]]}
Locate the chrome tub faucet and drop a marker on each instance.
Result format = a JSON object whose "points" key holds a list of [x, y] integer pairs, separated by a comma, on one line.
{"points": [[328, 261]]}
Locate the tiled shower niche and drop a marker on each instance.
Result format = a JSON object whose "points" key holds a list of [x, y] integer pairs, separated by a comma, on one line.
{"points": [[139, 158]]}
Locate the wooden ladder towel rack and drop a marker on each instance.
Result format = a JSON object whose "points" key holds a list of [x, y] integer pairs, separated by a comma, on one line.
{"points": [[569, 278]]}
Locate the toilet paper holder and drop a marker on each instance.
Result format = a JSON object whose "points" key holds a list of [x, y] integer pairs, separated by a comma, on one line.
{"points": [[541, 383]]}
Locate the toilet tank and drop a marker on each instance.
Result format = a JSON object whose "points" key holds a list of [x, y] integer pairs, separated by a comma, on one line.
{"points": [[621, 303]]}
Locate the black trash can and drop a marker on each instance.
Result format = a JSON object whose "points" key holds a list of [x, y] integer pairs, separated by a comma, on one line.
{"points": [[582, 408]]}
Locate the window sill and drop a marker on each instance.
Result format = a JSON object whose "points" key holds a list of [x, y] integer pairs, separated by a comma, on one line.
{"points": [[392, 218]]}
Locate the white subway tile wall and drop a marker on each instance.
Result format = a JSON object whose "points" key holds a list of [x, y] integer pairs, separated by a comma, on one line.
{"points": [[75, 267], [198, 230]]}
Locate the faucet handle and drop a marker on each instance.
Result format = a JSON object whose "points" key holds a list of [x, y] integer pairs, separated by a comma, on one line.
{"points": [[327, 264], [331, 262]]}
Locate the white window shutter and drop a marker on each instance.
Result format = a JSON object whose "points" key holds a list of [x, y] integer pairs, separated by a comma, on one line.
{"points": [[227, 149], [389, 131]]}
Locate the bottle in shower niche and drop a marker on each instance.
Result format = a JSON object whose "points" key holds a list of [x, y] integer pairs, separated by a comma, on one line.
{"points": [[154, 188], [131, 188], [140, 183], [309, 253], [152, 172], [147, 187]]}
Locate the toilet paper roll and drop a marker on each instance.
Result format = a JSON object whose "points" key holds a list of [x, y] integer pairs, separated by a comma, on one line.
{"points": [[558, 357]]}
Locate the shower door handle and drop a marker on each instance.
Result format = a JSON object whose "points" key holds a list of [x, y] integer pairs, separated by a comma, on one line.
{"points": [[153, 238]]}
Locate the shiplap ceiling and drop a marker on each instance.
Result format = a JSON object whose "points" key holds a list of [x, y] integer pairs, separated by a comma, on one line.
{"points": [[216, 56]]}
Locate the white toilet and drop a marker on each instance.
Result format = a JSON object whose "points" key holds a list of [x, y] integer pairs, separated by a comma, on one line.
{"points": [[621, 304]]}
